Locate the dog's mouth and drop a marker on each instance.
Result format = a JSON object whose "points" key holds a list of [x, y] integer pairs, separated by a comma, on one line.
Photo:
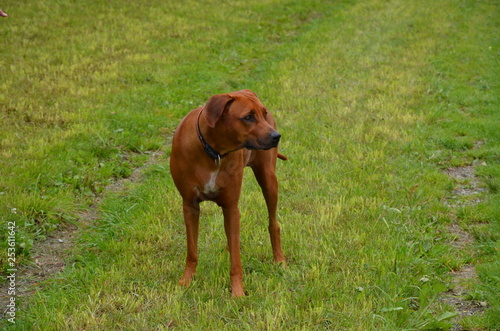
{"points": [[271, 141]]}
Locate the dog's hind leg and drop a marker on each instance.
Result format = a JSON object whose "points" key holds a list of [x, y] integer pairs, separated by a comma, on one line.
{"points": [[266, 177]]}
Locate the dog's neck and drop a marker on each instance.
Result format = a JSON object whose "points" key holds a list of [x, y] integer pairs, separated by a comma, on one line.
{"points": [[211, 152]]}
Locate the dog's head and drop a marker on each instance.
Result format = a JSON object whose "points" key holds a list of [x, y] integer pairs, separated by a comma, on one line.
{"points": [[243, 119]]}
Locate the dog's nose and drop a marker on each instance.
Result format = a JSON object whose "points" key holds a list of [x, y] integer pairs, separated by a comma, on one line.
{"points": [[275, 136]]}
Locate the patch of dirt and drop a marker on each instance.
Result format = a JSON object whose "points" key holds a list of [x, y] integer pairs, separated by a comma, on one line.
{"points": [[467, 192], [462, 238], [49, 256], [456, 296], [467, 187]]}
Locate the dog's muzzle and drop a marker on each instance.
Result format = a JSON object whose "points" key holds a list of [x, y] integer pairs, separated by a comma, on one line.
{"points": [[268, 142]]}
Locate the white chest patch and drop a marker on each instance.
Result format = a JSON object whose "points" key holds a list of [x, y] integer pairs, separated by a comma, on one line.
{"points": [[210, 187]]}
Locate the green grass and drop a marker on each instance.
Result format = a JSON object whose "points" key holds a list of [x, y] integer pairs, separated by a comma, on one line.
{"points": [[373, 99]]}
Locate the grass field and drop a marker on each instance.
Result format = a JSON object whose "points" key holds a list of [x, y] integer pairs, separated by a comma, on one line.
{"points": [[376, 101]]}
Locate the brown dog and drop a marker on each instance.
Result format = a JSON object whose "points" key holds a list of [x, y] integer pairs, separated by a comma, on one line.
{"points": [[211, 147]]}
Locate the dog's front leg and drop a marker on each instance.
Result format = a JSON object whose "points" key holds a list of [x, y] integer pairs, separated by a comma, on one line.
{"points": [[232, 227], [191, 212]]}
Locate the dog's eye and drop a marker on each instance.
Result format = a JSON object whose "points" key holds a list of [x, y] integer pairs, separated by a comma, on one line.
{"points": [[249, 118]]}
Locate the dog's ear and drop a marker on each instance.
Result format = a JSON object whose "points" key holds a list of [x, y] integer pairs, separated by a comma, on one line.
{"points": [[247, 91], [215, 107]]}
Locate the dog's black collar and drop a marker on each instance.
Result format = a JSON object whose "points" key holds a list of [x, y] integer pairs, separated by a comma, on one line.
{"points": [[214, 155]]}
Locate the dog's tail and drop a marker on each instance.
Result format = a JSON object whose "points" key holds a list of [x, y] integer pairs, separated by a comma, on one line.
{"points": [[282, 157]]}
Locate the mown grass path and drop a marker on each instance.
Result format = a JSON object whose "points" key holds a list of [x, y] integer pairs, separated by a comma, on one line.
{"points": [[375, 101]]}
